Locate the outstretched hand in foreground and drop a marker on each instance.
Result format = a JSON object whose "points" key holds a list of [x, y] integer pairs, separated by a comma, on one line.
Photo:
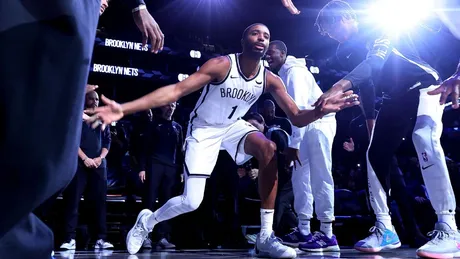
{"points": [[107, 114], [337, 102]]}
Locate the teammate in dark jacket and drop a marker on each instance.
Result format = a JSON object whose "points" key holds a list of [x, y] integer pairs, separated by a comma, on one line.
{"points": [[396, 68]]}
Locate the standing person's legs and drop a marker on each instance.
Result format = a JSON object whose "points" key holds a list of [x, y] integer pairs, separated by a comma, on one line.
{"points": [[392, 125], [319, 138], [202, 147], [168, 183], [243, 141], [153, 177], [44, 47], [426, 137], [72, 195], [283, 206], [301, 185], [303, 196], [97, 205]]}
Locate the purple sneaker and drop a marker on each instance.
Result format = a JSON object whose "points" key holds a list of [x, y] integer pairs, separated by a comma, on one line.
{"points": [[320, 243], [295, 238]]}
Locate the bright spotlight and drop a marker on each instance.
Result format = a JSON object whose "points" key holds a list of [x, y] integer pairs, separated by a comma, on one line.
{"points": [[181, 77], [195, 54], [395, 16]]}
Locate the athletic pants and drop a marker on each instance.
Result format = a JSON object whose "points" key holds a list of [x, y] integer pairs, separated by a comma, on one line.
{"points": [[313, 180], [92, 182], [391, 127]]}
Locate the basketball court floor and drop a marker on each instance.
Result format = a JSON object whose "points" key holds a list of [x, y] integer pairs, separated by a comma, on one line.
{"points": [[224, 254]]}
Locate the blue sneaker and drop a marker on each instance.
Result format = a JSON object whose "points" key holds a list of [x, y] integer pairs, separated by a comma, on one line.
{"points": [[295, 238], [320, 243], [444, 243], [380, 239]]}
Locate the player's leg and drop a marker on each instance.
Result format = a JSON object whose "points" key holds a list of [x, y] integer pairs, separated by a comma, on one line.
{"points": [[400, 193], [243, 141], [44, 46], [320, 139], [303, 197], [201, 151], [426, 138], [392, 124]]}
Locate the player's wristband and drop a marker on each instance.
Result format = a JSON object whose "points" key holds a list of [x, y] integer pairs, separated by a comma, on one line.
{"points": [[140, 7]]}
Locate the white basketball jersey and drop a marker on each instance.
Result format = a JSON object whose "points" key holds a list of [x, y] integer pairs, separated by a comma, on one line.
{"points": [[225, 102]]}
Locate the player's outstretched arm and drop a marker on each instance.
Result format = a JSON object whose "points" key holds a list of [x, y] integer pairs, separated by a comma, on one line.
{"points": [[374, 62], [213, 70], [301, 118], [210, 71]]}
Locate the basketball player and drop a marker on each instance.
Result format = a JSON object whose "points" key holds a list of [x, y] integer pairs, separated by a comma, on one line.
{"points": [[233, 84], [407, 81], [312, 178]]}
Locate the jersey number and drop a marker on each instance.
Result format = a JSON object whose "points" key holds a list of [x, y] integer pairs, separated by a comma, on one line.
{"points": [[233, 112]]}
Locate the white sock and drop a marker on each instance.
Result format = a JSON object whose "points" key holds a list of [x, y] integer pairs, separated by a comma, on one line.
{"points": [[266, 223], [304, 226], [449, 219], [326, 228], [385, 220]]}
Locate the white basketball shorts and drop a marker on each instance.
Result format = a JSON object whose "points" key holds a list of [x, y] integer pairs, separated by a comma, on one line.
{"points": [[203, 143]]}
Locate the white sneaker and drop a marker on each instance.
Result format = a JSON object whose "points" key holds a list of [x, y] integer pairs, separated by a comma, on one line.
{"points": [[138, 233], [71, 245], [444, 243], [273, 248], [101, 244]]}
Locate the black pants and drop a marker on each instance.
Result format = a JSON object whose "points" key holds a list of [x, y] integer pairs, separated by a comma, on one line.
{"points": [[285, 219], [160, 182], [93, 183], [45, 53], [401, 195]]}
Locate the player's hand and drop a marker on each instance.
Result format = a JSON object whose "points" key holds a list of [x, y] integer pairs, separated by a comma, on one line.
{"points": [[339, 102], [149, 29], [97, 161], [325, 97], [253, 173], [290, 6], [105, 114], [292, 155], [90, 88], [349, 145], [85, 117], [89, 163], [449, 87], [142, 176]]}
